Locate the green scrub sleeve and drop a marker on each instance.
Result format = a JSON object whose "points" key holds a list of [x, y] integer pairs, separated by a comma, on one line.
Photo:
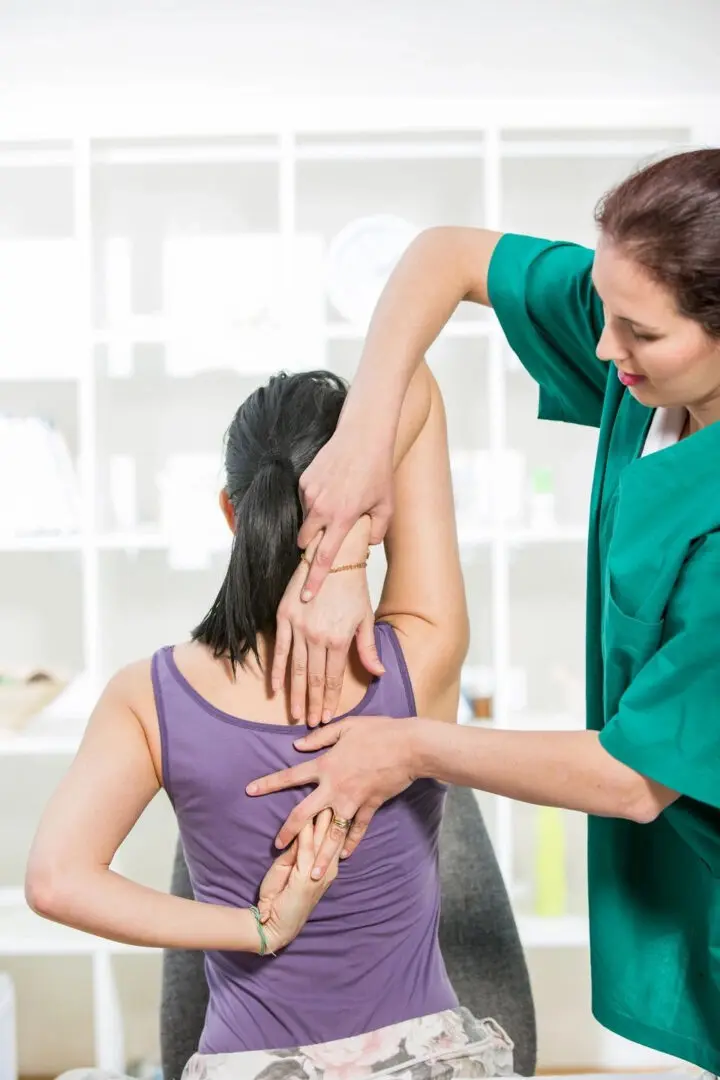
{"points": [[552, 317], [667, 726]]}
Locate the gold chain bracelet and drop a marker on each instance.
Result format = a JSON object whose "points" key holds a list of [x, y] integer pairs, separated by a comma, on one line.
{"points": [[339, 569]]}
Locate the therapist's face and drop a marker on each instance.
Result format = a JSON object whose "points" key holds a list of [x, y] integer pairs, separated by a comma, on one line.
{"points": [[663, 357]]}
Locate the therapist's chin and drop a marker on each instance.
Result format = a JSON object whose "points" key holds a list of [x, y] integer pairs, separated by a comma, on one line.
{"points": [[652, 396], [644, 392]]}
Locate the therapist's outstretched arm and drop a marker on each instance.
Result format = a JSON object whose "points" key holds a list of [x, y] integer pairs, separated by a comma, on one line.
{"points": [[352, 474], [374, 758]]}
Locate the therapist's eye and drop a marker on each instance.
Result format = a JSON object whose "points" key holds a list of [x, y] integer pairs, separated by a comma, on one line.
{"points": [[639, 336]]}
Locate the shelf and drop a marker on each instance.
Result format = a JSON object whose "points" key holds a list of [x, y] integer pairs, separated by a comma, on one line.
{"points": [[23, 933], [25, 376], [562, 534], [19, 156], [416, 150], [581, 148], [152, 540], [215, 153], [149, 540], [16, 544], [204, 153], [221, 151], [58, 728]]}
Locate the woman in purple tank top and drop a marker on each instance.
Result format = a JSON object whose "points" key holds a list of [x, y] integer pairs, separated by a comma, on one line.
{"points": [[329, 975]]}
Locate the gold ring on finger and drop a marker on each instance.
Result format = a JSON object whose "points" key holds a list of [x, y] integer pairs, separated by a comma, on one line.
{"points": [[342, 823]]}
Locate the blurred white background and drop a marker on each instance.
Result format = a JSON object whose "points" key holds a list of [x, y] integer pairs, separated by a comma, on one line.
{"points": [[175, 182], [404, 48]]}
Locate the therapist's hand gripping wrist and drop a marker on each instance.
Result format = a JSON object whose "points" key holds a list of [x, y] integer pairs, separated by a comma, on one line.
{"points": [[372, 759], [351, 476]]}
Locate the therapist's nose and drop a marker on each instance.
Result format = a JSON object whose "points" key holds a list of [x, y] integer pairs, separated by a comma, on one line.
{"points": [[610, 346]]}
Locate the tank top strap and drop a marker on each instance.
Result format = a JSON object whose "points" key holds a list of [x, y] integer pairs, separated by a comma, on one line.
{"points": [[162, 687], [394, 694]]}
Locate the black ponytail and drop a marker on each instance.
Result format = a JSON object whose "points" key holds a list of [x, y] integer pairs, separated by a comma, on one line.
{"points": [[274, 436]]}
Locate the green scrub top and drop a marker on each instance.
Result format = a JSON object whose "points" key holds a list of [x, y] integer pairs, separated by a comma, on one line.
{"points": [[652, 656]]}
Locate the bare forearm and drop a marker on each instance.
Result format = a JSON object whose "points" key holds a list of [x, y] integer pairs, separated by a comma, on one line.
{"points": [[413, 418], [104, 903], [442, 267], [556, 768]]}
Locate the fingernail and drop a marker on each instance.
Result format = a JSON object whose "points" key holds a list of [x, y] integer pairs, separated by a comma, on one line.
{"points": [[301, 741], [316, 874], [327, 716], [252, 789], [275, 685], [344, 853], [312, 721], [305, 595]]}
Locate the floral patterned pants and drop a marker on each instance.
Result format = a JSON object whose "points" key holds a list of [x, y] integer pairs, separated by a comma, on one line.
{"points": [[450, 1045]]}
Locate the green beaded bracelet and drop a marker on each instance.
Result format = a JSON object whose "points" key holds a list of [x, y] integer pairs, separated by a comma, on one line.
{"points": [[261, 930]]}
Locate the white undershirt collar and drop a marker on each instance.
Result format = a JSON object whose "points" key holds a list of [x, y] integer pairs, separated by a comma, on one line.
{"points": [[665, 429]]}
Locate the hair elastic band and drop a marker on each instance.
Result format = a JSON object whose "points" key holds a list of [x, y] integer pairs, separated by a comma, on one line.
{"points": [[261, 930]]}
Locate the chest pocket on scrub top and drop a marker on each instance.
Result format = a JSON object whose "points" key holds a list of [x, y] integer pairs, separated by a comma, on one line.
{"points": [[628, 644]]}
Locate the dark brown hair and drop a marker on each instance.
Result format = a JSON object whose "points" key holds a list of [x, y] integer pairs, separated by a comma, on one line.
{"points": [[273, 437], [667, 218]]}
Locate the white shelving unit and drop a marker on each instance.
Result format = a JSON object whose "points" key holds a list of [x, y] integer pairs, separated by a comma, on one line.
{"points": [[319, 165]]}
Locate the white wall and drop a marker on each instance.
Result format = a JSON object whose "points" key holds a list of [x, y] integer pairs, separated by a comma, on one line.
{"points": [[459, 48]]}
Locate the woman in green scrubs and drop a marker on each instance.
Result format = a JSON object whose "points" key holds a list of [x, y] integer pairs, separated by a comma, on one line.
{"points": [[626, 339]]}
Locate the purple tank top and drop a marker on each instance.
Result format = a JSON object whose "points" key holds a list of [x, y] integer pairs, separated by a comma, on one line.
{"points": [[369, 954]]}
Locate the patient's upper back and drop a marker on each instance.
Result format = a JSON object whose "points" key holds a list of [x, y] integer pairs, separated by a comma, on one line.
{"points": [[209, 756]]}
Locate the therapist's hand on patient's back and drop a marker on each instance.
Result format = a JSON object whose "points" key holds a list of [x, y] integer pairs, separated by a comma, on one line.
{"points": [[369, 763], [351, 476]]}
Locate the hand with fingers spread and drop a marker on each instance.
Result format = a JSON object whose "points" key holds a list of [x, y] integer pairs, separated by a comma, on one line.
{"points": [[288, 893], [371, 761], [316, 637]]}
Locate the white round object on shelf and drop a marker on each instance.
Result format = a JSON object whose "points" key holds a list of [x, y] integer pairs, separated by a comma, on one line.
{"points": [[360, 260]]}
